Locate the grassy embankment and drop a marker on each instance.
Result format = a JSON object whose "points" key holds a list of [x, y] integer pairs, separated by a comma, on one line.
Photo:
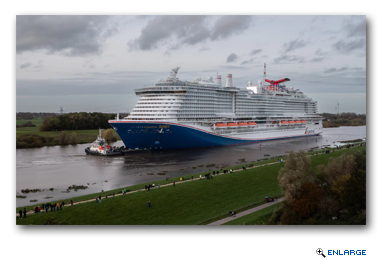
{"points": [[84, 136], [190, 202]]}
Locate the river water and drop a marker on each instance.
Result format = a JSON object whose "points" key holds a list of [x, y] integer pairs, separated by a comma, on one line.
{"points": [[59, 167]]}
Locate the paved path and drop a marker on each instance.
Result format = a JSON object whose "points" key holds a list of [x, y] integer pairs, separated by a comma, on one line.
{"points": [[246, 212]]}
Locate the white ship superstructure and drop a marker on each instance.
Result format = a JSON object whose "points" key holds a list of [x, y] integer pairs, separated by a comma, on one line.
{"points": [[203, 113]]}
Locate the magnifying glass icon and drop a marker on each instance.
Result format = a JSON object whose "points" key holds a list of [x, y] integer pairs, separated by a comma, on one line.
{"points": [[319, 251]]}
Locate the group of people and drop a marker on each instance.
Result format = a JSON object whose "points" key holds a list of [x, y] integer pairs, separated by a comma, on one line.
{"points": [[148, 187], [43, 208], [22, 212], [47, 206], [232, 213]]}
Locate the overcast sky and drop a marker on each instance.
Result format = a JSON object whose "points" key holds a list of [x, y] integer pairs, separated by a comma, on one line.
{"points": [[93, 63]]}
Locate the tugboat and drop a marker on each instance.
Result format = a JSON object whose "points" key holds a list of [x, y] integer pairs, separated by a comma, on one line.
{"points": [[100, 147]]}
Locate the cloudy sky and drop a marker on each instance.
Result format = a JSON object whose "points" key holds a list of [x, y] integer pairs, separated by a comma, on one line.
{"points": [[93, 63]]}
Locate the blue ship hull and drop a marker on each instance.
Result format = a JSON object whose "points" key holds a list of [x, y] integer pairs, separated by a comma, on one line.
{"points": [[161, 136]]}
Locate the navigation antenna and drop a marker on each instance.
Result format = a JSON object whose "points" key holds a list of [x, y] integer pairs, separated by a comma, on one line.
{"points": [[61, 110]]}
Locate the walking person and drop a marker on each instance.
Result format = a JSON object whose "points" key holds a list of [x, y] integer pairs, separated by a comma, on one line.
{"points": [[125, 191], [159, 185], [113, 195], [96, 198], [71, 202], [173, 183], [25, 212], [200, 176], [100, 199], [20, 214], [60, 206]]}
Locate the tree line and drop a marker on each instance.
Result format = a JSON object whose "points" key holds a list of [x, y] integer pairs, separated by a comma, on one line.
{"points": [[78, 121], [33, 115], [343, 119], [336, 191]]}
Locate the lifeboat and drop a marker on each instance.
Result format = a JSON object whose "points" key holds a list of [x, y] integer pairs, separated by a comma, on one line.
{"points": [[242, 124], [291, 122], [297, 122], [220, 125], [232, 125], [252, 124], [274, 122], [284, 122], [303, 121]]}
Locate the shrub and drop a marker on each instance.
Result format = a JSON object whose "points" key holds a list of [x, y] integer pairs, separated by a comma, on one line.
{"points": [[73, 138], [63, 138]]}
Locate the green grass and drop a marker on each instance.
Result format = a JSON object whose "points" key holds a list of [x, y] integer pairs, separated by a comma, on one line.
{"points": [[191, 202], [84, 136], [37, 121], [259, 217]]}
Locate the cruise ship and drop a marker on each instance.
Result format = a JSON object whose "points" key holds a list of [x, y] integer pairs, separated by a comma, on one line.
{"points": [[176, 114]]}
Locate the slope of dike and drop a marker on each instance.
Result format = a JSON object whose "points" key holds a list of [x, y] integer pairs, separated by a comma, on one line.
{"points": [[189, 202]]}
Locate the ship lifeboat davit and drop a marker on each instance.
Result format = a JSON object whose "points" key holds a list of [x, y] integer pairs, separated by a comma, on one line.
{"points": [[232, 125]]}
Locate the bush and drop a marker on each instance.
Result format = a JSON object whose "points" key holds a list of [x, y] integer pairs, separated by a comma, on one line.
{"points": [[73, 138], [63, 138]]}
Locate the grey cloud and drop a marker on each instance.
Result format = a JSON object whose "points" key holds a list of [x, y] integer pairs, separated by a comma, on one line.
{"points": [[320, 52], [333, 70], [232, 58], [317, 59], [230, 25], [189, 30], [355, 29], [67, 35], [248, 61], [292, 45], [289, 58], [359, 70], [345, 46], [255, 51], [25, 65], [203, 49]]}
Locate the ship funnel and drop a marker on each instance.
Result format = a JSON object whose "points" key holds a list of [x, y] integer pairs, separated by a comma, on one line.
{"points": [[219, 79], [118, 116], [229, 80]]}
